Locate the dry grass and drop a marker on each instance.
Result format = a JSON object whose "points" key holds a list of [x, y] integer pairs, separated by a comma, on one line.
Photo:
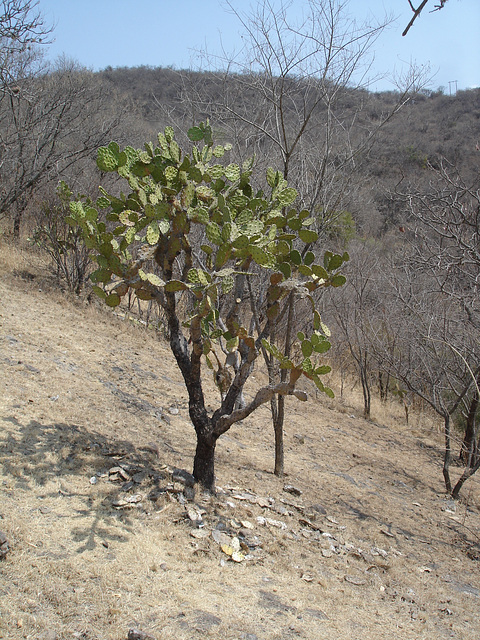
{"points": [[370, 549]]}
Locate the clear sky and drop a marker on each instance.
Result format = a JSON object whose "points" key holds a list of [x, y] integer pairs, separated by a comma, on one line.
{"points": [[101, 33]]}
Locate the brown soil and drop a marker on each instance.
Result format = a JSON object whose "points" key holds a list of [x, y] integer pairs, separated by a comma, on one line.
{"points": [[361, 543]]}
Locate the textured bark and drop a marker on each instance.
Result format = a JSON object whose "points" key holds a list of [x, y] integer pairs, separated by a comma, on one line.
{"points": [[204, 461], [278, 422], [447, 455], [469, 452], [365, 388]]}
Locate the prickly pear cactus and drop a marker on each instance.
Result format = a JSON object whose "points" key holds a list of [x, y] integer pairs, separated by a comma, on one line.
{"points": [[142, 240]]}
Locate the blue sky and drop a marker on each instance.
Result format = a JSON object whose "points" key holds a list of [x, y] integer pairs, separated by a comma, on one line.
{"points": [[101, 33]]}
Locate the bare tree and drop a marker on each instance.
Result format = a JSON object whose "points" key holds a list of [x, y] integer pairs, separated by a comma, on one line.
{"points": [[69, 255], [434, 354], [355, 309], [51, 123], [434, 309], [51, 116], [444, 227], [22, 28], [445, 224], [285, 98]]}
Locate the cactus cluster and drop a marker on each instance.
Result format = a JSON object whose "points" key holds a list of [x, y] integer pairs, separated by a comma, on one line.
{"points": [[170, 192]]}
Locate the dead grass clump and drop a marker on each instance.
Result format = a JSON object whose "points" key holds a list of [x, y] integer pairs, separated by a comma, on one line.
{"points": [[15, 259]]}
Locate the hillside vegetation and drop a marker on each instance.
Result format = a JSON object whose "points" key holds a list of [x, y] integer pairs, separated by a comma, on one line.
{"points": [[432, 126]]}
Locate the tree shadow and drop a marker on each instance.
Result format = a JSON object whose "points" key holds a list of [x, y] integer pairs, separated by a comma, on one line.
{"points": [[35, 454]]}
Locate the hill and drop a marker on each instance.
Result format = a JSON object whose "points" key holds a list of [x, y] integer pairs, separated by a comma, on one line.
{"points": [[430, 127], [358, 541], [131, 105]]}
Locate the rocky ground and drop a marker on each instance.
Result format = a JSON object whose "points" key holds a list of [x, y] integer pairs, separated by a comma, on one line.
{"points": [[102, 532]]}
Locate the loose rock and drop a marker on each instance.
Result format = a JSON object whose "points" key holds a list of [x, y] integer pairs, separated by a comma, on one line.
{"points": [[183, 477], [136, 634], [4, 547], [355, 580], [289, 488]]}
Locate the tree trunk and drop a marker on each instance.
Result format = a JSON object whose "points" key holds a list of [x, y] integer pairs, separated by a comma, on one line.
{"points": [[448, 455], [189, 365], [469, 453], [365, 390], [204, 462], [279, 445], [383, 381], [279, 417], [17, 219], [468, 473]]}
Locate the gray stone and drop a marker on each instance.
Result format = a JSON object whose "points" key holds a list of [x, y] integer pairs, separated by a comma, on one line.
{"points": [[272, 601], [318, 508], [4, 547], [136, 634], [204, 621], [183, 477], [289, 488], [317, 613]]}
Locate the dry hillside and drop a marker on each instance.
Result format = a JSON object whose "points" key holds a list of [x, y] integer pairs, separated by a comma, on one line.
{"points": [[358, 541]]}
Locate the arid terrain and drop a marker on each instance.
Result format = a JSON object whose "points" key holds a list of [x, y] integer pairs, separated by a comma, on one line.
{"points": [[358, 541]]}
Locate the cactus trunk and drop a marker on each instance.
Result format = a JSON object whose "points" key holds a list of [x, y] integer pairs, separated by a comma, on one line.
{"points": [[204, 462]]}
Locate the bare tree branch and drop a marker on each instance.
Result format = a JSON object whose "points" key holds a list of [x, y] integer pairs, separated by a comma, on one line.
{"points": [[417, 11]]}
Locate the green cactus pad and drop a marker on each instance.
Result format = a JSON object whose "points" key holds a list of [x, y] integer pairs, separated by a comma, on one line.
{"points": [[244, 217], [262, 258], [338, 281], [188, 195], [227, 284], [152, 278], [242, 242], [254, 228], [304, 270], [287, 196], [174, 151], [169, 134], [171, 173], [223, 254], [153, 233], [205, 193], [308, 236], [103, 202], [216, 171], [195, 134], [307, 348], [238, 201], [112, 300], [232, 172], [272, 177], [214, 233], [176, 285], [218, 151], [106, 160], [143, 294]]}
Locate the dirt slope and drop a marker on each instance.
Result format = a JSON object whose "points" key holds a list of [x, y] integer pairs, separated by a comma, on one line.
{"points": [[360, 544]]}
